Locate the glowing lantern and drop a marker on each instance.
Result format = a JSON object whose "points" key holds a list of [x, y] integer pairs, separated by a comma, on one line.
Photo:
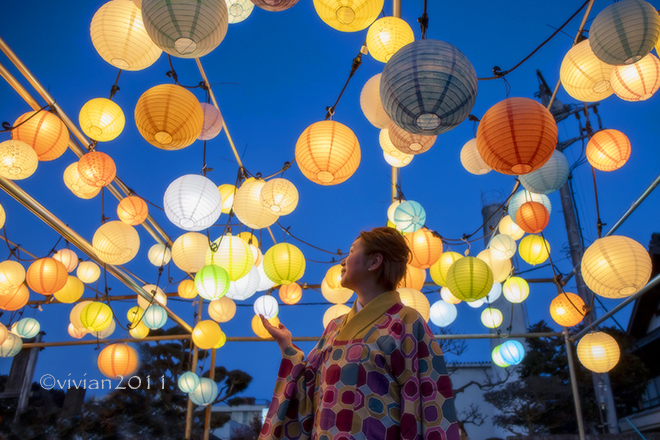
{"points": [[266, 305], [106, 332], [448, 297], [249, 238], [512, 352], [500, 268], [140, 331], [12, 345], [386, 36], [154, 317], [608, 150], [508, 227], [245, 287], [274, 5], [397, 158], [333, 277], [348, 15], [134, 315], [567, 309], [516, 136], [46, 276], [206, 334], [119, 36], [291, 293], [169, 117], [415, 299], [212, 282], [248, 207], [264, 283], [27, 328], [68, 258], [213, 121], [335, 296], [118, 360], [495, 293], [3, 216], [3, 333], [502, 247], [88, 272], [442, 313], [414, 278], [328, 152], [259, 329], [74, 315], [206, 392], [391, 209], [515, 290], [96, 316], [188, 381], [159, 255], [15, 299], [76, 333], [550, 177], [475, 304], [469, 279], [370, 103], [71, 292], [186, 28], [187, 289], [77, 186], [101, 119], [426, 248], [409, 143], [192, 202], [232, 254], [523, 196], [116, 242], [17, 160], [491, 318], [189, 251], [284, 263], [334, 312], [532, 217], [398, 161], [534, 249], [279, 196], [583, 75], [637, 82], [439, 269], [227, 192], [598, 352], [97, 169], [471, 160], [497, 357], [624, 32], [239, 10], [409, 216], [12, 275], [132, 210], [616, 266], [44, 132], [157, 296], [222, 310]]}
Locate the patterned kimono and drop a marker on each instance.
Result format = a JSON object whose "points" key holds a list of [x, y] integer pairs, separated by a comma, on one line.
{"points": [[376, 374]]}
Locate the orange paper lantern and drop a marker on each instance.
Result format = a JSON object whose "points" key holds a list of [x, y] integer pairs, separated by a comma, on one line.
{"points": [[608, 150], [47, 276], [414, 278], [567, 309], [118, 360], [15, 300], [532, 217], [44, 132], [132, 210], [97, 169], [426, 248], [290, 293]]}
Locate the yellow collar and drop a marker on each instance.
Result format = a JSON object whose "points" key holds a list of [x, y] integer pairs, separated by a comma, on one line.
{"points": [[357, 324]]}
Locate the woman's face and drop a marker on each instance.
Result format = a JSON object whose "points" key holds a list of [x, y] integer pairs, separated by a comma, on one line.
{"points": [[355, 266]]}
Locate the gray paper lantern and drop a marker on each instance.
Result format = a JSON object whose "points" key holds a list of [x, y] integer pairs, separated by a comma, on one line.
{"points": [[549, 178], [274, 5], [428, 87]]}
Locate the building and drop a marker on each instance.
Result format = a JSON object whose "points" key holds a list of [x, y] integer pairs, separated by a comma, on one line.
{"points": [[241, 416]]}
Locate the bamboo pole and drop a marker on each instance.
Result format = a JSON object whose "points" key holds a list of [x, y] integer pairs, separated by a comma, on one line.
{"points": [[207, 420], [189, 410], [574, 388]]}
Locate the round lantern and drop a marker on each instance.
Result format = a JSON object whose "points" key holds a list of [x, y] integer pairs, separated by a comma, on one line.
{"points": [[187, 289], [386, 36], [491, 318], [264, 283], [76, 333], [512, 352], [88, 272], [106, 332], [97, 169], [448, 297], [119, 36], [471, 160], [267, 306], [348, 15], [140, 331], [532, 217], [18, 160], [291, 293], [3, 333], [244, 287], [328, 152], [415, 299], [637, 82], [77, 186], [500, 268], [426, 248], [257, 254], [534, 249], [274, 5], [428, 87], [523, 196], [213, 121], [598, 352], [391, 209], [516, 136], [227, 191], [189, 251], [624, 32], [132, 210], [206, 334], [118, 360], [409, 216], [515, 290], [3, 216], [497, 357], [442, 313], [584, 76], [192, 202], [249, 238], [46, 276], [279, 196], [74, 315], [248, 207], [16, 299], [44, 132], [397, 158], [232, 254], [71, 292], [370, 103], [188, 381], [12, 345], [134, 315], [68, 258], [475, 304], [154, 317], [335, 296], [608, 150], [284, 263], [101, 119], [156, 296], [502, 247], [259, 329], [12, 275], [334, 312], [333, 277], [239, 10], [567, 309], [212, 282], [186, 28], [206, 392], [96, 316], [398, 161], [169, 117], [616, 266], [508, 227], [159, 255], [222, 310], [469, 279], [28, 328], [439, 269], [494, 293], [409, 143], [550, 177], [414, 278], [116, 242]]}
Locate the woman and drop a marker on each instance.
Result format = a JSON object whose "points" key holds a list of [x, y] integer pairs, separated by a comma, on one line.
{"points": [[377, 373]]}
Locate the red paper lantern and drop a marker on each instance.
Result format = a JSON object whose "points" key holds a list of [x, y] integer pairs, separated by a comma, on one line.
{"points": [[532, 217]]}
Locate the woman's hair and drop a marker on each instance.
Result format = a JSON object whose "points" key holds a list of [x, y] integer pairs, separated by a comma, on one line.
{"points": [[393, 247]]}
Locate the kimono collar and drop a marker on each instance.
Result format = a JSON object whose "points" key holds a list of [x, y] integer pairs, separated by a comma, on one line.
{"points": [[357, 323]]}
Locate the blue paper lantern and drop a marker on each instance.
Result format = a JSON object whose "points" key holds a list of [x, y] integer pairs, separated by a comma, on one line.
{"points": [[524, 196], [154, 317], [28, 328], [188, 381], [428, 87], [409, 216], [550, 177], [443, 313], [512, 352], [12, 345], [205, 393]]}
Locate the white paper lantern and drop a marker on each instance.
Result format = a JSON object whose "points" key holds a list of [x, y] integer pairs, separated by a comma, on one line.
{"points": [[263, 283], [245, 287], [443, 313], [334, 312], [471, 160], [502, 247], [495, 293], [550, 177], [267, 306], [212, 122], [88, 272], [637, 82], [509, 227], [18, 160], [159, 255], [476, 303], [68, 258], [239, 10], [370, 103], [583, 75], [192, 202], [491, 318]]}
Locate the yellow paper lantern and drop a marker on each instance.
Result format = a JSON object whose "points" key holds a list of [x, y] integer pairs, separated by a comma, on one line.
{"points": [[509, 227], [189, 251], [18, 160], [291, 293], [206, 334], [414, 278], [534, 249], [3, 217], [46, 276], [232, 254], [169, 117], [134, 315], [426, 248], [387, 35], [96, 316], [227, 192], [140, 331], [101, 119], [12, 275], [88, 272], [116, 242], [448, 297], [398, 158], [491, 318], [74, 315], [515, 289], [502, 247], [97, 169], [248, 207], [598, 352], [501, 268], [335, 296], [409, 143], [348, 15], [333, 277], [132, 210], [71, 292], [279, 196], [334, 312], [398, 162], [249, 238], [157, 296], [417, 300], [222, 310], [471, 160], [608, 150], [239, 10], [284, 263], [583, 75], [370, 103], [637, 82], [469, 279], [187, 289], [328, 152], [16, 299], [68, 258], [439, 269], [44, 132], [259, 329], [118, 360], [77, 186], [567, 309]]}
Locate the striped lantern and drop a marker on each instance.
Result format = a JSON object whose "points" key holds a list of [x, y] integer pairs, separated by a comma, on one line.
{"points": [[439, 269], [27, 328], [77, 186], [18, 160], [584, 76], [274, 5], [189, 251], [491, 318], [508, 227], [523, 196], [243, 288], [15, 299], [132, 210], [386, 36], [227, 191], [97, 169], [442, 313], [222, 309], [608, 150], [12, 275], [101, 119], [502, 247], [232, 254], [371, 105], [267, 306], [515, 290], [239, 10], [414, 278], [11, 346], [348, 15], [46, 276], [248, 207], [532, 217], [68, 258], [471, 160], [280, 196], [192, 202], [96, 316], [44, 132], [469, 279], [598, 352], [409, 216], [213, 121], [284, 263], [118, 360], [188, 381], [159, 255], [291, 293], [637, 82], [534, 249], [186, 289], [409, 143], [116, 242], [550, 177], [501, 268], [426, 248], [449, 297], [206, 391], [415, 299], [512, 352], [396, 156], [259, 329], [212, 282], [88, 272], [154, 317]]}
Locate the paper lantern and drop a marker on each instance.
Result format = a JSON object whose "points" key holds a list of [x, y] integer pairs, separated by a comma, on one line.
{"points": [[396, 157], [256, 254], [442, 313], [119, 36], [68, 258], [414, 278], [3, 333], [132, 210], [266, 305], [239, 10], [415, 299], [428, 87], [159, 255], [469, 279], [491, 318], [248, 207], [502, 247], [616, 266], [134, 315], [213, 121], [516, 136], [584, 76], [534, 249], [227, 192], [12, 275], [290, 294], [187, 289], [154, 317], [439, 269], [46, 276], [249, 238], [327, 152], [189, 251], [494, 293], [169, 117], [116, 242], [3, 216], [186, 28], [532, 217], [71, 292], [284, 263], [409, 216], [96, 316], [244, 287], [567, 309], [279, 196], [18, 160], [401, 160], [222, 310], [508, 227], [475, 304], [188, 381], [106, 332], [499, 268], [333, 277], [624, 32], [75, 314], [497, 357], [471, 160], [637, 82], [118, 360], [16, 299], [371, 105], [212, 282], [448, 297], [140, 331], [88, 272], [265, 283], [409, 143], [206, 392], [12, 345], [192, 202], [76, 333], [523, 196], [335, 296], [512, 352], [550, 177], [101, 119], [348, 15], [259, 329], [608, 150], [275, 5], [206, 334], [97, 169], [386, 36], [156, 296], [598, 352], [44, 132], [334, 312], [515, 290], [426, 248], [27, 328], [232, 254], [77, 186], [222, 341]]}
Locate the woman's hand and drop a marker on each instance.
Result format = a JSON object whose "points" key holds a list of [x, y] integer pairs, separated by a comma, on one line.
{"points": [[281, 334]]}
